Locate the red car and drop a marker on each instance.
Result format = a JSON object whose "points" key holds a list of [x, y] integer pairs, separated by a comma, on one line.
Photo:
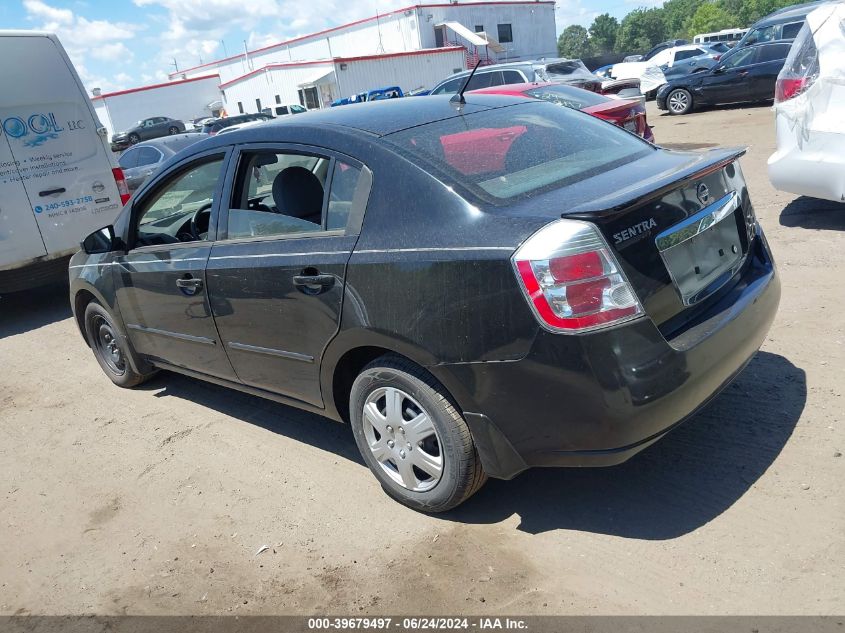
{"points": [[626, 113]]}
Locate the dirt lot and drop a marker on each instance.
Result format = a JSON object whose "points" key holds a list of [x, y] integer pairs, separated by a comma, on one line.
{"points": [[158, 500]]}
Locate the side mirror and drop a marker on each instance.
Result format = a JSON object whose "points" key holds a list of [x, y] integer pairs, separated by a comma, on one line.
{"points": [[717, 70], [102, 241]]}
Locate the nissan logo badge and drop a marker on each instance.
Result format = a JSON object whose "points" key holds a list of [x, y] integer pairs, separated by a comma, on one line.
{"points": [[703, 193]]}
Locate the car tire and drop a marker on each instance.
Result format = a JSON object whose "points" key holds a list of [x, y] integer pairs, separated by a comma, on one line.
{"points": [[679, 101], [173, 130], [133, 139], [109, 347], [412, 436]]}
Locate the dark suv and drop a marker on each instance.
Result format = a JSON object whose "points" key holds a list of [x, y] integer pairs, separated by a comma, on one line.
{"points": [[213, 127], [475, 287]]}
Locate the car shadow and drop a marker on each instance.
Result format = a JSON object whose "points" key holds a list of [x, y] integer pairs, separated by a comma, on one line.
{"points": [[298, 425], [677, 485], [29, 310], [811, 213]]}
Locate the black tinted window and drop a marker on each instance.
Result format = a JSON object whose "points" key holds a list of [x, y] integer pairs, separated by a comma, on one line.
{"points": [[681, 55], [481, 80], [281, 110], [148, 156], [772, 53], [520, 150], [512, 77], [742, 57], [128, 159], [450, 87], [790, 31]]}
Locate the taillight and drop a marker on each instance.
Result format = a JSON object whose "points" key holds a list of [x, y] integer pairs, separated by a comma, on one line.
{"points": [[122, 187], [572, 280], [786, 89]]}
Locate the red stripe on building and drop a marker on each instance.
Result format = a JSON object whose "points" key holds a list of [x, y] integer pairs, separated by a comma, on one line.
{"points": [[142, 88]]}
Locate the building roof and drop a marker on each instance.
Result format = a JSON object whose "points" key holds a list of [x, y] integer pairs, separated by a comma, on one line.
{"points": [[153, 86], [339, 60], [356, 23]]}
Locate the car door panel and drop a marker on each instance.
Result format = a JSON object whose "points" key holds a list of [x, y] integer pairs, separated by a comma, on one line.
{"points": [[274, 327], [728, 84], [277, 298], [161, 289]]}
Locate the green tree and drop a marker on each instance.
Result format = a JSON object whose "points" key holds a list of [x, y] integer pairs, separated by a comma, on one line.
{"points": [[574, 42], [603, 33], [640, 30], [709, 17], [676, 14]]}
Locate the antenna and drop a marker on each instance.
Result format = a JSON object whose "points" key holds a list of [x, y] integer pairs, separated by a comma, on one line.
{"points": [[459, 96]]}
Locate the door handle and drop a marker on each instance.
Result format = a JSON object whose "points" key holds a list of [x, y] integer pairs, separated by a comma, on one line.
{"points": [[742, 73], [51, 192], [189, 285], [313, 284]]}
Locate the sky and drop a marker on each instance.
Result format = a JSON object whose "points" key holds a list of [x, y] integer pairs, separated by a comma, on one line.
{"points": [[118, 44]]}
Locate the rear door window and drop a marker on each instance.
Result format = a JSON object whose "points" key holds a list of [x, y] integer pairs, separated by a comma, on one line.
{"points": [[512, 77], [128, 159], [148, 156], [790, 31], [772, 53]]}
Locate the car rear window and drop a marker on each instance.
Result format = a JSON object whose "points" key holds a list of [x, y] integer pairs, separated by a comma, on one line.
{"points": [[568, 96], [519, 151]]}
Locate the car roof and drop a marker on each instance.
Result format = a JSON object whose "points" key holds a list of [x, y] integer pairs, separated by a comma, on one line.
{"points": [[173, 143], [384, 117], [787, 14], [504, 65]]}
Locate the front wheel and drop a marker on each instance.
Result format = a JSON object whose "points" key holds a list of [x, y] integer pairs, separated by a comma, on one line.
{"points": [[108, 347], [412, 438], [133, 138], [679, 101]]}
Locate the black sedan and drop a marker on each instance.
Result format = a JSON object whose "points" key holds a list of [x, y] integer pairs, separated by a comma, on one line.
{"points": [[154, 127], [475, 288], [140, 161], [746, 75]]}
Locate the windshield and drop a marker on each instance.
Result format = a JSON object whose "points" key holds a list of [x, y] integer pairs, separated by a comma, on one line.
{"points": [[519, 151]]}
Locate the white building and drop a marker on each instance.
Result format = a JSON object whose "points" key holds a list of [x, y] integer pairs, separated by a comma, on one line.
{"points": [[409, 47], [414, 47], [184, 99]]}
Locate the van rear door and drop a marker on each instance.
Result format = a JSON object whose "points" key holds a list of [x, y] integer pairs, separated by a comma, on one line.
{"points": [[20, 239], [50, 126]]}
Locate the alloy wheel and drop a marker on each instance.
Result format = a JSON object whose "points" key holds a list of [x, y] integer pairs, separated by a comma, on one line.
{"points": [[678, 101], [402, 438]]}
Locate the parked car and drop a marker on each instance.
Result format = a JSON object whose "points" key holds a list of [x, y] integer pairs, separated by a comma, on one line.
{"points": [[58, 179], [629, 114], [654, 50], [744, 76], [288, 108], [569, 71], [378, 94], [140, 161], [240, 126], [783, 24], [476, 290], [214, 126], [683, 60], [146, 129], [810, 110]]}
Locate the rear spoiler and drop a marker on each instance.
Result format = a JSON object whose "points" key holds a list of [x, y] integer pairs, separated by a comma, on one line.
{"points": [[699, 165]]}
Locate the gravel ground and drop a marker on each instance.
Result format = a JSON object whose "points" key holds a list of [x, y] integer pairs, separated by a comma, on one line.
{"points": [[158, 500]]}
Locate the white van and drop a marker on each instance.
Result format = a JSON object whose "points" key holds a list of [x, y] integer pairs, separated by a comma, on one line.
{"points": [[58, 178]]}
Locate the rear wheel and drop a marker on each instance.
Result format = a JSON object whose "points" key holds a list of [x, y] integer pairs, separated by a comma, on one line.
{"points": [[108, 347], [679, 101], [173, 130], [412, 438]]}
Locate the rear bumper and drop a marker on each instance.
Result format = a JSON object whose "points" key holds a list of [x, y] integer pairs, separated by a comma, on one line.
{"points": [[816, 168], [597, 399]]}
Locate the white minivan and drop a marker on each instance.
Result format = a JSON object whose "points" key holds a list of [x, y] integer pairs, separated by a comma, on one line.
{"points": [[58, 178]]}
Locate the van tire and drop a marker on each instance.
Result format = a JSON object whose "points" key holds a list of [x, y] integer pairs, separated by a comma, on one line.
{"points": [[110, 348]]}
